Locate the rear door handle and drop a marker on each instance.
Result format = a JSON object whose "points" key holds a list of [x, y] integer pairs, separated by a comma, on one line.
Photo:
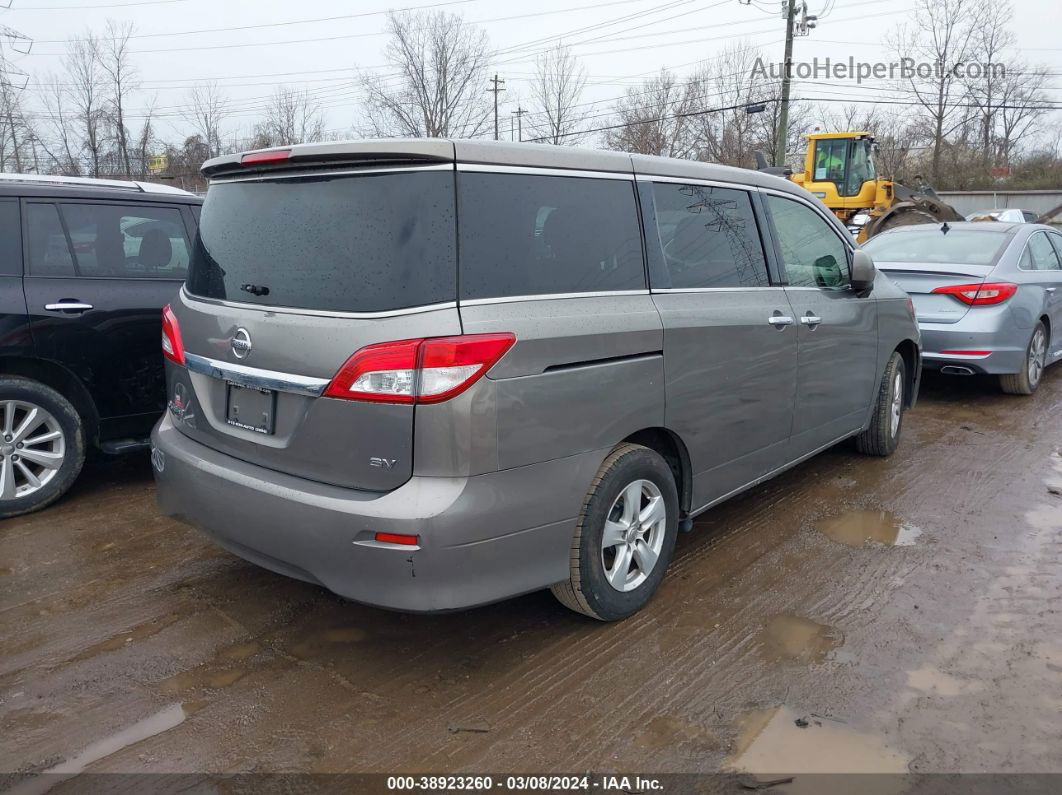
{"points": [[68, 306], [811, 320], [780, 320]]}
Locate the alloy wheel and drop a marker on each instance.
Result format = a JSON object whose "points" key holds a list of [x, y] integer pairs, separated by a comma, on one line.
{"points": [[1037, 356], [896, 408], [634, 535], [32, 448]]}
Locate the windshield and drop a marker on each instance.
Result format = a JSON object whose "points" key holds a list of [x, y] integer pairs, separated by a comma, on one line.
{"points": [[930, 245], [365, 243]]}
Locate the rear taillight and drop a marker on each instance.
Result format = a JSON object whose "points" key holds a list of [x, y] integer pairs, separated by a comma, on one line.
{"points": [[172, 346], [980, 294], [418, 371]]}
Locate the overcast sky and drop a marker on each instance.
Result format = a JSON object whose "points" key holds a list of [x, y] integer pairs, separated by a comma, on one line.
{"points": [[620, 41]]}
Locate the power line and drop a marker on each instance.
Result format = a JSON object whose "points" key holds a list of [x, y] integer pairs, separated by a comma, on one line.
{"points": [[100, 5]]}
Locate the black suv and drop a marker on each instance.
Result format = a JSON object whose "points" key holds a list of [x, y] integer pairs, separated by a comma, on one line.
{"points": [[85, 268]]}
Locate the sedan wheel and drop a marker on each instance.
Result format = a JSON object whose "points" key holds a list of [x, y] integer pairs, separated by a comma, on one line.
{"points": [[1025, 381]]}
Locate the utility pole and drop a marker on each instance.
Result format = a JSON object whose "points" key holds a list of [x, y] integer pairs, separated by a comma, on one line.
{"points": [[497, 86], [807, 23], [782, 133], [518, 113]]}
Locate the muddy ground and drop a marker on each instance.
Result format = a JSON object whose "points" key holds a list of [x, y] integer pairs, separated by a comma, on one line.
{"points": [[907, 608]]}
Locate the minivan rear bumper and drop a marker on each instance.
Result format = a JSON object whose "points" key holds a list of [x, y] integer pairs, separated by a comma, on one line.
{"points": [[481, 538]]}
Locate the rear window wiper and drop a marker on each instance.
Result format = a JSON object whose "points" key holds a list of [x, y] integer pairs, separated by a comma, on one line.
{"points": [[255, 289]]}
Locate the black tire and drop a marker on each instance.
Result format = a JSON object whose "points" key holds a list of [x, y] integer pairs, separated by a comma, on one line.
{"points": [[1025, 382], [28, 391], [882, 436], [588, 589]]}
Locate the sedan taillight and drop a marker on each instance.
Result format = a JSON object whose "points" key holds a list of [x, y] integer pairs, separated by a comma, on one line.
{"points": [[172, 346], [420, 370], [980, 294]]}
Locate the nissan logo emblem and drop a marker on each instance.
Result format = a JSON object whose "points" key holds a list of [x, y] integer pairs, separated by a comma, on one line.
{"points": [[241, 343]]}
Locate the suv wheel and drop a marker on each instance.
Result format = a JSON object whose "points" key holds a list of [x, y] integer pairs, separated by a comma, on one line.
{"points": [[883, 434], [42, 445], [1026, 381], [625, 536]]}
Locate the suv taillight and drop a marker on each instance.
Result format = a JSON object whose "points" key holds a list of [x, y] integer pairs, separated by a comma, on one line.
{"points": [[418, 371], [980, 294], [172, 347]]}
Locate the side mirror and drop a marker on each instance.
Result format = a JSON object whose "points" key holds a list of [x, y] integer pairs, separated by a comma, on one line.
{"points": [[863, 271]]}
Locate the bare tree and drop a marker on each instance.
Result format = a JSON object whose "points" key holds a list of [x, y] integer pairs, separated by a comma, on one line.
{"points": [[82, 67], [115, 61], [206, 112], [657, 118], [440, 86], [292, 117], [556, 90], [15, 127], [62, 145], [939, 39]]}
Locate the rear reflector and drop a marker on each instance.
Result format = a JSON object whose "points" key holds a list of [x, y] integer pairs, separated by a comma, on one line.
{"points": [[967, 353], [396, 538], [420, 370], [980, 294], [274, 156], [172, 345]]}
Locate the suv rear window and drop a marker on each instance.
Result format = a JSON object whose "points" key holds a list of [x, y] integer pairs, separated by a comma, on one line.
{"points": [[348, 243], [541, 235]]}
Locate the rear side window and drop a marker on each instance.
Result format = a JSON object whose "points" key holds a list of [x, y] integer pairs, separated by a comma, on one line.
{"points": [[1039, 254], [10, 239], [524, 235], [127, 241], [49, 253], [706, 237], [349, 243]]}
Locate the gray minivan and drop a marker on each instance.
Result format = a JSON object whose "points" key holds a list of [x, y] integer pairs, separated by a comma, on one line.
{"points": [[430, 374]]}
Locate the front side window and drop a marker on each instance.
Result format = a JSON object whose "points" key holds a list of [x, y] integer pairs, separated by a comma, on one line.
{"points": [[524, 234], [1039, 255], [706, 237], [49, 253], [812, 253], [829, 160], [127, 241]]}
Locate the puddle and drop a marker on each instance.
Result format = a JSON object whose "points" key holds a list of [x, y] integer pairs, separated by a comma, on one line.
{"points": [[856, 528], [667, 731], [120, 640], [770, 744], [320, 643], [933, 681], [205, 677], [164, 720], [794, 638]]}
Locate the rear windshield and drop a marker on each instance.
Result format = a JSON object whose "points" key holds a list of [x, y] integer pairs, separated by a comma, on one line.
{"points": [[366, 243], [928, 246]]}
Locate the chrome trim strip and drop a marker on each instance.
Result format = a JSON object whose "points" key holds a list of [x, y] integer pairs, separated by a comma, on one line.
{"points": [[959, 357], [656, 290], [510, 299], [544, 172], [711, 183], [255, 377], [345, 172], [770, 474], [188, 298]]}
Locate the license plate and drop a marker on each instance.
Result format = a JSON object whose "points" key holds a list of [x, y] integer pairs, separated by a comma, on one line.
{"points": [[250, 408]]}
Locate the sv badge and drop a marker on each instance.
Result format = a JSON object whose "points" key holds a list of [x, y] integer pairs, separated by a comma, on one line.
{"points": [[383, 463]]}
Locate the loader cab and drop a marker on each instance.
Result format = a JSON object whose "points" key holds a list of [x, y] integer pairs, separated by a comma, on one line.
{"points": [[839, 169]]}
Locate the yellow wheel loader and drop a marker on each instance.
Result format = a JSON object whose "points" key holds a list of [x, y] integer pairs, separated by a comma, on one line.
{"points": [[839, 170]]}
